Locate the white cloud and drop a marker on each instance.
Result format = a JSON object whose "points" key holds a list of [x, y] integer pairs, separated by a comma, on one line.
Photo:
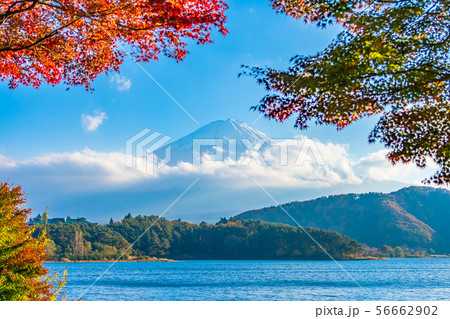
{"points": [[376, 167], [76, 172], [99, 182], [97, 169], [122, 82], [314, 165], [7, 162], [92, 169], [91, 123]]}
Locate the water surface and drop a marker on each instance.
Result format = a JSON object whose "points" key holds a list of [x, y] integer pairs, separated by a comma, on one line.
{"points": [[393, 279]]}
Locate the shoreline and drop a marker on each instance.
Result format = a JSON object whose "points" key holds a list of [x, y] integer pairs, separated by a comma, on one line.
{"points": [[172, 260], [107, 261]]}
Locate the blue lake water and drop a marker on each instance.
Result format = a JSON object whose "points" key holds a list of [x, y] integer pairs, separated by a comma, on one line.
{"points": [[393, 279]]}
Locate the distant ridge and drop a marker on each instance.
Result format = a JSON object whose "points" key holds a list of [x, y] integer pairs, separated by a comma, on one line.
{"points": [[416, 217]]}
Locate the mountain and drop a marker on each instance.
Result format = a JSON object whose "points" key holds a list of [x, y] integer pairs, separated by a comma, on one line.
{"points": [[416, 217], [213, 137]]}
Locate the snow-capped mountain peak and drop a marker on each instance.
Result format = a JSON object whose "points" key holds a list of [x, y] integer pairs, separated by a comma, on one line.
{"points": [[213, 136], [227, 129]]}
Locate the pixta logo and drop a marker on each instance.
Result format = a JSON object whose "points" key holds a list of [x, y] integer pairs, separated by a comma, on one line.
{"points": [[140, 150]]}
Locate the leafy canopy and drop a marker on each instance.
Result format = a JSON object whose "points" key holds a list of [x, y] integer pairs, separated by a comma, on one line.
{"points": [[46, 41], [391, 59], [228, 239], [22, 275]]}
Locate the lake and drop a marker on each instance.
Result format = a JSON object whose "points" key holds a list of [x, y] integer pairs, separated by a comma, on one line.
{"points": [[393, 279]]}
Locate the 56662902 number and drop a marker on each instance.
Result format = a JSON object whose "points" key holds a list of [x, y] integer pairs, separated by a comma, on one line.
{"points": [[406, 310]]}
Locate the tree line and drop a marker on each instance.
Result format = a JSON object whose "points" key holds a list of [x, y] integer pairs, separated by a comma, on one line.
{"points": [[227, 239]]}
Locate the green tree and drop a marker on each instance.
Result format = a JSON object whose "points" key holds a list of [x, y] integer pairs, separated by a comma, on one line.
{"points": [[109, 251], [44, 217], [398, 252], [231, 239], [391, 59], [22, 275], [51, 248], [387, 251]]}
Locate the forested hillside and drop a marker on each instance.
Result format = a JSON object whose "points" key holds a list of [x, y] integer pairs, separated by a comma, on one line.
{"points": [[228, 239], [414, 217]]}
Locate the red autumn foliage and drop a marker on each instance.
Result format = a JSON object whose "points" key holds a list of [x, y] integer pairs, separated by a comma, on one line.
{"points": [[73, 41]]}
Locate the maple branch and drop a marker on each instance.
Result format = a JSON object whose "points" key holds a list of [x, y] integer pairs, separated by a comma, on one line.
{"points": [[10, 12], [48, 36]]}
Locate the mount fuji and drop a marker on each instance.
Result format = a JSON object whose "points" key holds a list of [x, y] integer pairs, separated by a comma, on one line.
{"points": [[224, 139]]}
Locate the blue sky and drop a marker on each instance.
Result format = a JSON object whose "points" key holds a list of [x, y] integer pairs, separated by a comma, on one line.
{"points": [[50, 120], [205, 84]]}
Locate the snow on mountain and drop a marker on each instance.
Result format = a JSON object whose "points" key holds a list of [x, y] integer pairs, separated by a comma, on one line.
{"points": [[221, 139]]}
